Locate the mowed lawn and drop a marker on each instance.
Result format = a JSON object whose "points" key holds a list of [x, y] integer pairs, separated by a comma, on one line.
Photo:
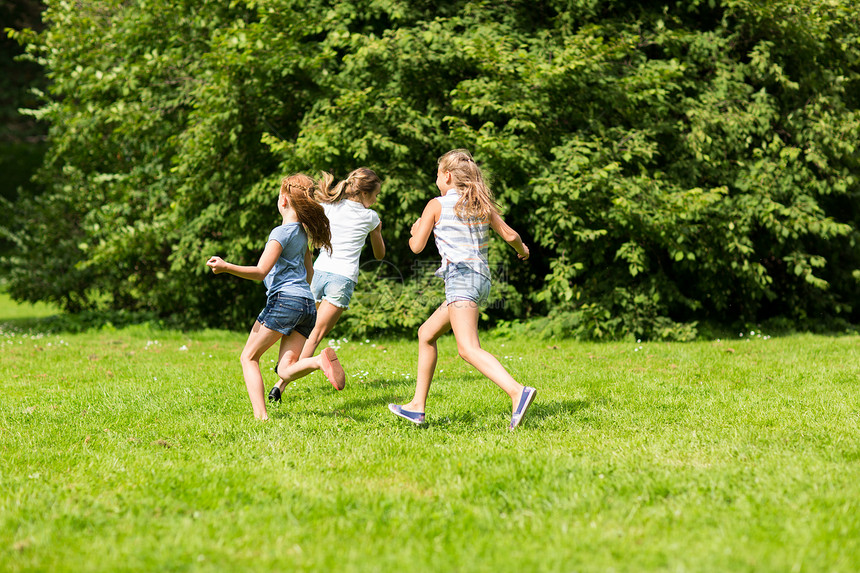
{"points": [[135, 450]]}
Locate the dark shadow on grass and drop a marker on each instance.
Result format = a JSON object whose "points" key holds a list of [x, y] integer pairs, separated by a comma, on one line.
{"points": [[537, 411], [384, 383], [81, 322], [351, 408], [367, 409], [561, 408]]}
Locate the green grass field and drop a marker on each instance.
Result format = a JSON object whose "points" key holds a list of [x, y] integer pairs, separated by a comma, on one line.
{"points": [[136, 450]]}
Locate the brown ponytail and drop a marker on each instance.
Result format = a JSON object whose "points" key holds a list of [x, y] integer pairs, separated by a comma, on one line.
{"points": [[299, 189], [360, 182]]}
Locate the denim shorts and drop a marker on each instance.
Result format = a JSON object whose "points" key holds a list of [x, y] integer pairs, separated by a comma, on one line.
{"points": [[337, 289], [462, 283], [285, 313]]}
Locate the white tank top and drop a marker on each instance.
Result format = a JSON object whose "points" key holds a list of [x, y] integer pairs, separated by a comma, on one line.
{"points": [[461, 241]]}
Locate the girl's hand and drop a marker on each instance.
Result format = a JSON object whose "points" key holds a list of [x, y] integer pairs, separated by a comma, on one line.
{"points": [[525, 255], [217, 265]]}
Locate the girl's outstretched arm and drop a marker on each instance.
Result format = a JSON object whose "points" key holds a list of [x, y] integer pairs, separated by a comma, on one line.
{"points": [[510, 236], [377, 243], [422, 228], [256, 273]]}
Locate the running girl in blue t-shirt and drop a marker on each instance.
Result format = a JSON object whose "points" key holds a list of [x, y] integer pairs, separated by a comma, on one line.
{"points": [[290, 314], [460, 219]]}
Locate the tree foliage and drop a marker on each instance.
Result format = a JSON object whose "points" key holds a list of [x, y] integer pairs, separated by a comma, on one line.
{"points": [[21, 138], [668, 162]]}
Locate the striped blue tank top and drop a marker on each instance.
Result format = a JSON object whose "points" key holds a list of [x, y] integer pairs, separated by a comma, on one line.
{"points": [[461, 241]]}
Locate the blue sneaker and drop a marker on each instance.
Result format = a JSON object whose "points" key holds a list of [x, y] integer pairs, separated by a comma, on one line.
{"points": [[525, 401], [414, 417]]}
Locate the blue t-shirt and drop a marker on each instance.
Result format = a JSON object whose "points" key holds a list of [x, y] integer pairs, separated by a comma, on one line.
{"points": [[289, 275]]}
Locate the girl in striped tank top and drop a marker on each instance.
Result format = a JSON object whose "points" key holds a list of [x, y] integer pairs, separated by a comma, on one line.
{"points": [[460, 219]]}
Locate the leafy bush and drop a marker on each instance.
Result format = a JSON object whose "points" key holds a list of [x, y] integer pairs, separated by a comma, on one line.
{"points": [[669, 163]]}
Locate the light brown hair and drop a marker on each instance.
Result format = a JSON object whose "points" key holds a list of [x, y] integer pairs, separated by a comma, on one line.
{"points": [[361, 182], [476, 199], [299, 189]]}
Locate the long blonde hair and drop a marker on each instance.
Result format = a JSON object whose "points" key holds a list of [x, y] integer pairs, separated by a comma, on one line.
{"points": [[299, 189], [476, 198], [361, 182]]}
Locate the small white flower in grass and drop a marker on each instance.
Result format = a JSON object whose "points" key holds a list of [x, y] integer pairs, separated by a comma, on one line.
{"points": [[183, 347], [367, 341]]}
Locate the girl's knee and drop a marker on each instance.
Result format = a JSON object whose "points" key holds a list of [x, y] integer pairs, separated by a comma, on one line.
{"points": [[467, 353], [426, 335], [246, 357]]}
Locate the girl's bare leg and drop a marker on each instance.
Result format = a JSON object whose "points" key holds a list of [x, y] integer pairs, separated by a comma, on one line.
{"points": [[300, 368], [464, 322], [259, 340], [291, 348], [327, 316], [429, 332]]}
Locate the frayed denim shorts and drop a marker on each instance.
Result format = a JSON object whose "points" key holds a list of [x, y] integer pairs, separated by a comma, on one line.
{"points": [[285, 313], [463, 283], [337, 289]]}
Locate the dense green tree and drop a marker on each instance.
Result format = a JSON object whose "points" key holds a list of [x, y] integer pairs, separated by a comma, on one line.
{"points": [[22, 143], [668, 162]]}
